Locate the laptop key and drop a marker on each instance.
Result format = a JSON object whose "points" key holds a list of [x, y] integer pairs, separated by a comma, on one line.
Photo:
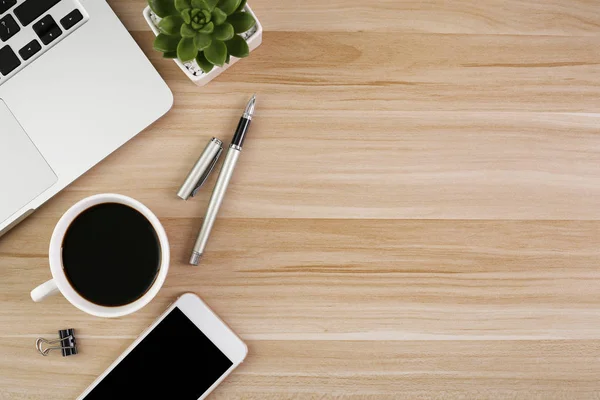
{"points": [[30, 49], [47, 29], [71, 19], [8, 27], [5, 5], [31, 10], [8, 60]]}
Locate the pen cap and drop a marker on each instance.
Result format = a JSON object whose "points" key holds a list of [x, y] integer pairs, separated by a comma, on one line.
{"points": [[202, 169]]}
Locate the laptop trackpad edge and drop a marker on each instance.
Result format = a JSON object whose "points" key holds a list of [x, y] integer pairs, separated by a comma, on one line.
{"points": [[24, 173]]}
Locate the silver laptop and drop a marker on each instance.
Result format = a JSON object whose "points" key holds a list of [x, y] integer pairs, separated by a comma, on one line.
{"points": [[74, 87]]}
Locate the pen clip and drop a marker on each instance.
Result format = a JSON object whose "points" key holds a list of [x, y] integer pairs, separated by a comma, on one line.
{"points": [[207, 172], [201, 169]]}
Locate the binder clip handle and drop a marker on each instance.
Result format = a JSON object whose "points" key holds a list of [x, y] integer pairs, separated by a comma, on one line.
{"points": [[66, 338]]}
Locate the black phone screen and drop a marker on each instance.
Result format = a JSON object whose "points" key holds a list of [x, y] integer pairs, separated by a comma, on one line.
{"points": [[175, 361]]}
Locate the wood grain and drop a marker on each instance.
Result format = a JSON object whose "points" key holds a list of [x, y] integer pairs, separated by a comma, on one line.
{"points": [[415, 213], [354, 370], [511, 17]]}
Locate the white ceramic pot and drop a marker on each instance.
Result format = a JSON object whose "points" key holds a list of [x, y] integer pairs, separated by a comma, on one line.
{"points": [[191, 69]]}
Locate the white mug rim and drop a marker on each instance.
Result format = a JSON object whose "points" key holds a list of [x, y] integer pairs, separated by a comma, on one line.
{"points": [[56, 265]]}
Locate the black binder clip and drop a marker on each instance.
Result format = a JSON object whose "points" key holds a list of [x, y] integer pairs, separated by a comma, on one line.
{"points": [[66, 338]]}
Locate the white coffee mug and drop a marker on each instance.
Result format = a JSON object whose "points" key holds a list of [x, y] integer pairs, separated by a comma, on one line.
{"points": [[61, 284]]}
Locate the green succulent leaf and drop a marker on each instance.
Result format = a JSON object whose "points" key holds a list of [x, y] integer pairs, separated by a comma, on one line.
{"points": [[218, 16], [186, 15], [223, 32], [162, 8], [216, 53], [187, 31], [181, 5], [195, 12], [208, 28], [170, 25], [229, 6], [241, 21], [170, 54], [202, 41], [186, 50], [196, 26], [205, 4], [238, 47], [211, 4], [241, 6], [207, 15], [203, 63], [165, 43]]}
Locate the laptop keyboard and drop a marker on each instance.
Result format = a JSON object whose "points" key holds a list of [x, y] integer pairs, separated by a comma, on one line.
{"points": [[29, 28], [31, 10], [5, 5]]}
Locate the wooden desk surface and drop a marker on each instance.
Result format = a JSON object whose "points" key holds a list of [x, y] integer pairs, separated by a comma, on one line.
{"points": [[416, 211]]}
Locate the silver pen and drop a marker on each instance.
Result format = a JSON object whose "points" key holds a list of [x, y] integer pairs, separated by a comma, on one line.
{"points": [[235, 148]]}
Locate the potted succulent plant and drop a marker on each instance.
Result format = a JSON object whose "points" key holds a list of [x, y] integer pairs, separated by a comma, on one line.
{"points": [[204, 37]]}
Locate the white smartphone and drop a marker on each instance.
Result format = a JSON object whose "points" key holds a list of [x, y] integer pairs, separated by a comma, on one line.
{"points": [[183, 355]]}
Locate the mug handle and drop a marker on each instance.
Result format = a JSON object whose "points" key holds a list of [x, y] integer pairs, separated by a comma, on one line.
{"points": [[46, 289]]}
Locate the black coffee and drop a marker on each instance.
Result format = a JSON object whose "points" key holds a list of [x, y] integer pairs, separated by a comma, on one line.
{"points": [[111, 254]]}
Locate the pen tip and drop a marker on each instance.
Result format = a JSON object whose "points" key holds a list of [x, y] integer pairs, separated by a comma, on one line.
{"points": [[251, 106]]}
